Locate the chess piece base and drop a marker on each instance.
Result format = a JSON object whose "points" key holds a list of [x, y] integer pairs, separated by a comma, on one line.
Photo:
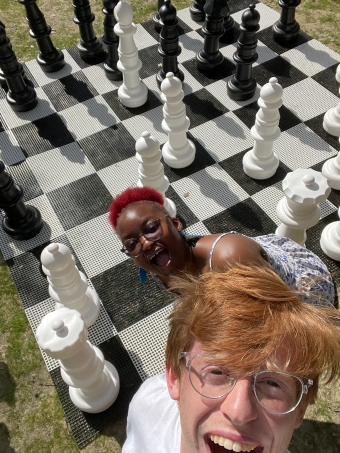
{"points": [[260, 168], [112, 73], [27, 228], [209, 64], [287, 35], [53, 64], [331, 123], [133, 97], [196, 14], [331, 171], [180, 158], [19, 103], [93, 54], [241, 91], [330, 241]]}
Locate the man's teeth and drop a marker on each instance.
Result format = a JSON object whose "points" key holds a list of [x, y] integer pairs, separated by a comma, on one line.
{"points": [[231, 445]]}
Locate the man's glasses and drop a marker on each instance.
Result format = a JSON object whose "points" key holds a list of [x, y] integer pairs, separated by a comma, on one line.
{"points": [[153, 231], [278, 393]]}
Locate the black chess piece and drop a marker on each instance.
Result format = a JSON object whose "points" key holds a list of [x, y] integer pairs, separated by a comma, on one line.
{"points": [[196, 10], [20, 96], [286, 29], [50, 58], [156, 19], [20, 222], [168, 48], [210, 58], [242, 86], [111, 40], [89, 47], [228, 24]]}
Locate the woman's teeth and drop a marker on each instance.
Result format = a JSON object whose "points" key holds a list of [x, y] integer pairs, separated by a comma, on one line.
{"points": [[231, 445]]}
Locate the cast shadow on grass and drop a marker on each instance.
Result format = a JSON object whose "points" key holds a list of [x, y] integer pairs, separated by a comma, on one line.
{"points": [[8, 385], [5, 440], [316, 436]]}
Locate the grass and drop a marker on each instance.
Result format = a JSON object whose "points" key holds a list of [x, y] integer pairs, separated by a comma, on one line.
{"points": [[31, 416]]}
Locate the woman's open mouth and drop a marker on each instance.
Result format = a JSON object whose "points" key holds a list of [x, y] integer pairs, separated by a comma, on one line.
{"points": [[161, 258], [219, 444]]}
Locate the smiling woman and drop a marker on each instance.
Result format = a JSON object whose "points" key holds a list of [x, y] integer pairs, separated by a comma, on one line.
{"points": [[156, 242]]}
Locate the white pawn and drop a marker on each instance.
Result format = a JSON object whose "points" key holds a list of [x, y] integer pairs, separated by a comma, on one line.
{"points": [[331, 171], [132, 93], [299, 209], [178, 151], [330, 240], [93, 382], [331, 120], [67, 285], [151, 170], [261, 162]]}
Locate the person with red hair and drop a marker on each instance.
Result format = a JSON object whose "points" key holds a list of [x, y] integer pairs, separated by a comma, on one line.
{"points": [[157, 244]]}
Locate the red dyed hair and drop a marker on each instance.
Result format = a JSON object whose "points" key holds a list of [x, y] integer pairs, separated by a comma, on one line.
{"points": [[132, 195]]}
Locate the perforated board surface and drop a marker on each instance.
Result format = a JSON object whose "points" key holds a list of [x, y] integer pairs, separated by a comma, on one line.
{"points": [[75, 151]]}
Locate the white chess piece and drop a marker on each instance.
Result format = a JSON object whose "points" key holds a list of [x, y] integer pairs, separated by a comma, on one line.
{"points": [[132, 93], [330, 240], [331, 171], [178, 151], [331, 120], [299, 209], [151, 170], [93, 382], [261, 162], [67, 285]]}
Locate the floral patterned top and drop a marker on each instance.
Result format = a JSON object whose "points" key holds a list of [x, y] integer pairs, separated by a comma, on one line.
{"points": [[298, 267]]}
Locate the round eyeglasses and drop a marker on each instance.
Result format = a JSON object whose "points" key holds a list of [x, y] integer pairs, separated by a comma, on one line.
{"points": [[277, 392], [153, 231]]}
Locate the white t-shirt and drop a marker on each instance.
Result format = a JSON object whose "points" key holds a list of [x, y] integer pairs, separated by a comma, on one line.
{"points": [[153, 423]]}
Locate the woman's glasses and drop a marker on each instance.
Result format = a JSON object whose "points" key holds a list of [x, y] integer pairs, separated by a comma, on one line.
{"points": [[153, 231]]}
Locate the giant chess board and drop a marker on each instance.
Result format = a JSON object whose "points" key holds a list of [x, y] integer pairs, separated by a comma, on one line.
{"points": [[76, 150]]}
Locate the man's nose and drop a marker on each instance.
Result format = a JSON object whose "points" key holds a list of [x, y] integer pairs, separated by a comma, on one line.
{"points": [[240, 405]]}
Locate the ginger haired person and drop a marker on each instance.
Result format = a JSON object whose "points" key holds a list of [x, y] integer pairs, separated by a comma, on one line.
{"points": [[156, 243], [244, 359]]}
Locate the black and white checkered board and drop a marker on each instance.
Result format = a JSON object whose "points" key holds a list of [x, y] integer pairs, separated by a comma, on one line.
{"points": [[76, 150]]}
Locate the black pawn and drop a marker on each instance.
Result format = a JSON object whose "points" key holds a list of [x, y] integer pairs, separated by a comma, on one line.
{"points": [[242, 85], [20, 222], [156, 17], [196, 10], [50, 58], [89, 47], [168, 48], [20, 96], [111, 40], [286, 29], [228, 24], [210, 58]]}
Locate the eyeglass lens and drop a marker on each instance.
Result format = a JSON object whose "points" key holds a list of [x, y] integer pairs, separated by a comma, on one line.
{"points": [[153, 231], [276, 392]]}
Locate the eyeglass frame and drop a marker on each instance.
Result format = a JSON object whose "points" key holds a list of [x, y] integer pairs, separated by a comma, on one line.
{"points": [[124, 250], [304, 386]]}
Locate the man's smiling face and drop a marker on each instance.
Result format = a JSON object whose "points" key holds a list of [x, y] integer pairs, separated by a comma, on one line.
{"points": [[233, 423]]}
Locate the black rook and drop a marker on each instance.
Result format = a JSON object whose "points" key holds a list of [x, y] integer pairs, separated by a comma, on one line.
{"points": [[49, 58], [111, 40], [168, 43], [286, 29], [242, 85], [196, 10], [20, 222]]}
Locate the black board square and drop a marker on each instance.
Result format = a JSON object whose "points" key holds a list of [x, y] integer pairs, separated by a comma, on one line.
{"points": [[123, 112], [128, 307], [42, 135], [326, 78], [316, 125], [245, 217], [266, 36], [184, 213], [3, 125], [248, 112], [202, 106], [69, 91], [224, 70], [151, 61], [24, 177], [202, 159], [85, 426], [182, 28], [233, 165], [80, 201], [74, 52], [278, 67], [109, 146]]}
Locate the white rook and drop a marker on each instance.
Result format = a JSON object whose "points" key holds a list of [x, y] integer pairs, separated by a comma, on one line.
{"points": [[178, 151], [330, 240], [67, 285], [93, 382], [304, 189], [261, 162], [132, 93], [151, 170]]}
